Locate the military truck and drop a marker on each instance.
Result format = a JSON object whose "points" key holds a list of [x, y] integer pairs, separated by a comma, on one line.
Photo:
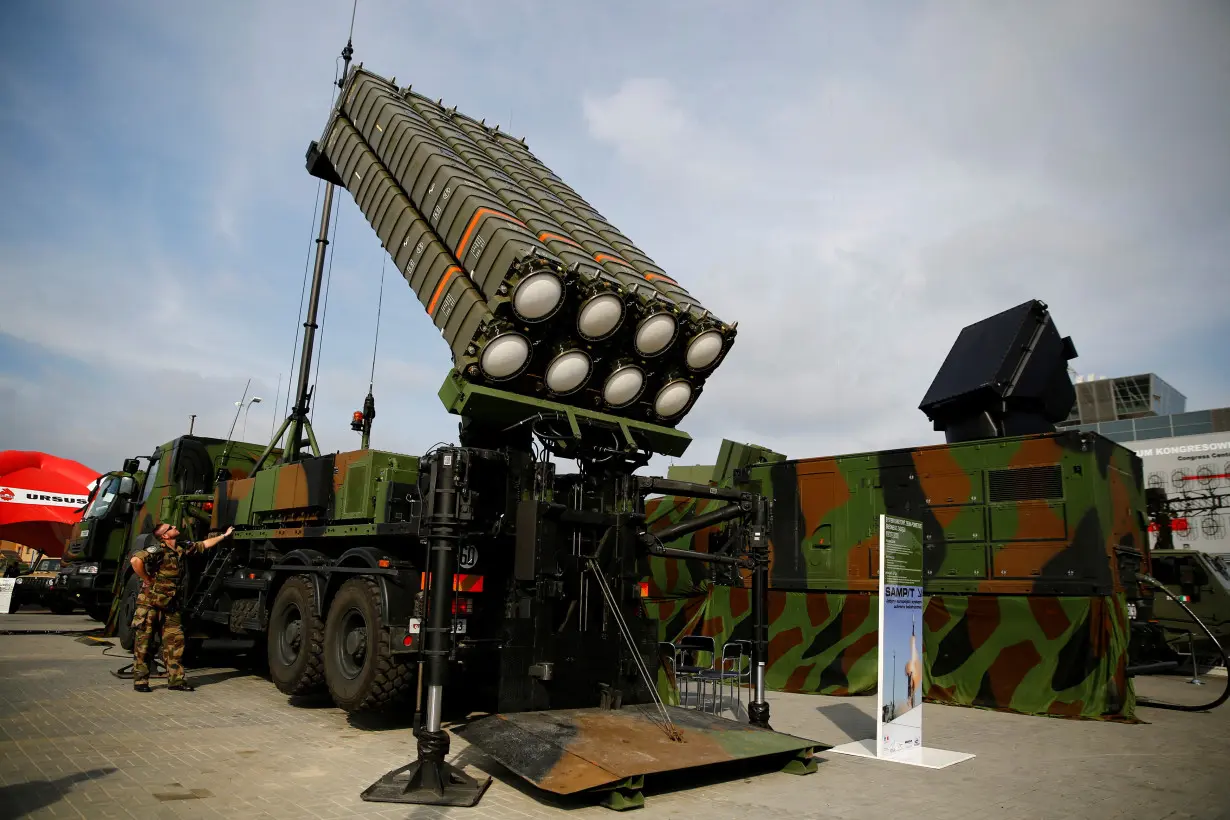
{"points": [[477, 564], [38, 587]]}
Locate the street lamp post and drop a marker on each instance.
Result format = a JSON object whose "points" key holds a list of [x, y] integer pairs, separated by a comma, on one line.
{"points": [[252, 401]]}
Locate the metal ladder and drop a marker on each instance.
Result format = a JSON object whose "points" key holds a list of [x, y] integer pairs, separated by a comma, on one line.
{"points": [[215, 571]]}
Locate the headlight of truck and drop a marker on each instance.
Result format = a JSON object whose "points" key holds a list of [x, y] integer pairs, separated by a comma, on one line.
{"points": [[88, 569], [19, 580]]}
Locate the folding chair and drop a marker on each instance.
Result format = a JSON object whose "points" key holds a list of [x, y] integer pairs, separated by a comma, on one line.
{"points": [[666, 658], [731, 670], [688, 666]]}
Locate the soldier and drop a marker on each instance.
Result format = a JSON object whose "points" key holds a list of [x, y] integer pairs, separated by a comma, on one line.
{"points": [[158, 605]]}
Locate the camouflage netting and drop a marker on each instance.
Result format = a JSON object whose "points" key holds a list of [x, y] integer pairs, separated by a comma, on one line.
{"points": [[1040, 655], [1030, 655]]}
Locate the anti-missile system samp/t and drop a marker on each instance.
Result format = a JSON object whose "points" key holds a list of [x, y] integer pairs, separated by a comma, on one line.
{"points": [[475, 568]]}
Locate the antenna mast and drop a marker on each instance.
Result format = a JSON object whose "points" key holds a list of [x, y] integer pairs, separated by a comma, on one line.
{"points": [[297, 424]]}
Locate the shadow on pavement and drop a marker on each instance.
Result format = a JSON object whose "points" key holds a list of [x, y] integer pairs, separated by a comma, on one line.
{"points": [[316, 700], [25, 798], [215, 677], [850, 719], [396, 716]]}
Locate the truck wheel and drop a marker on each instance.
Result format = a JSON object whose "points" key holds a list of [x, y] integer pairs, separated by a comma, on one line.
{"points": [[128, 605], [296, 639], [360, 669], [59, 606]]}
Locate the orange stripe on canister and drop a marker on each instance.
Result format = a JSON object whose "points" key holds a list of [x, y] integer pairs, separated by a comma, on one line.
{"points": [[479, 214], [435, 297]]}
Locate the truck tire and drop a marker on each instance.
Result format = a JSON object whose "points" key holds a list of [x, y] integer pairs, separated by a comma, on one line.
{"points": [[60, 606], [296, 639], [128, 605], [360, 669]]}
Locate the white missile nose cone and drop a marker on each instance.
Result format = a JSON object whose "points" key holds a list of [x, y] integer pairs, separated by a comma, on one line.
{"points": [[537, 295], [568, 371], [600, 316], [504, 356], [672, 398], [704, 349], [623, 386], [655, 333]]}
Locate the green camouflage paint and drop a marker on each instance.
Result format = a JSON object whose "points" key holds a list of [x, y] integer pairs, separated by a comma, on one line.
{"points": [[286, 501], [1044, 655], [1064, 656]]}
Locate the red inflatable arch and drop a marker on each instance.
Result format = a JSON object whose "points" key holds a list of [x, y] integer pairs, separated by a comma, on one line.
{"points": [[41, 497]]}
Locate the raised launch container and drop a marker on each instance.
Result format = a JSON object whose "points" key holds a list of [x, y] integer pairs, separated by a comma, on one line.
{"points": [[534, 291]]}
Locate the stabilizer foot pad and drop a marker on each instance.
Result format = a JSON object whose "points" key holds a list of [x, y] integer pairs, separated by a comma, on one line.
{"points": [[428, 783]]}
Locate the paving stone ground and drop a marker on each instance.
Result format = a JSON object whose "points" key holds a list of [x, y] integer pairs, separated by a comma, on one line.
{"points": [[75, 741]]}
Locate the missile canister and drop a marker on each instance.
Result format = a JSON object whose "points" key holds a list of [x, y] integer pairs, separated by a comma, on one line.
{"points": [[535, 292]]}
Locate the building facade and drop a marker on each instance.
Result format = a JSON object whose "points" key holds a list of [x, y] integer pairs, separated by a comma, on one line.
{"points": [[1194, 470], [1122, 398], [1187, 454]]}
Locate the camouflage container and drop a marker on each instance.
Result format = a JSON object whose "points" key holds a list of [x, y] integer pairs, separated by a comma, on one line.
{"points": [[1030, 544]]}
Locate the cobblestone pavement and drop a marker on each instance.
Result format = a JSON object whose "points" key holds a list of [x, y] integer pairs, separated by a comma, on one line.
{"points": [[77, 742]]}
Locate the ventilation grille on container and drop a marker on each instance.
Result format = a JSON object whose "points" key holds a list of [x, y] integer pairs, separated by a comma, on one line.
{"points": [[1026, 483]]}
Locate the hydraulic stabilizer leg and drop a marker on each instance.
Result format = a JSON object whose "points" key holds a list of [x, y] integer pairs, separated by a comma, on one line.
{"points": [[430, 779], [758, 709]]}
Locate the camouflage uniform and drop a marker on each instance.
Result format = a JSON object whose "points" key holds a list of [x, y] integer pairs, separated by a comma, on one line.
{"points": [[158, 611]]}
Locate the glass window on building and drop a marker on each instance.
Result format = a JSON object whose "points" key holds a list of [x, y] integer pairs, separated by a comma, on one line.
{"points": [[1133, 396], [1110, 429], [1153, 424]]}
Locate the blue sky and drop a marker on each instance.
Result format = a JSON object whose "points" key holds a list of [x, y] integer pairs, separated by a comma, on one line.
{"points": [[851, 184]]}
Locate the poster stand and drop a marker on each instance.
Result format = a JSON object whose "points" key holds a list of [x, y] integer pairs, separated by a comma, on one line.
{"points": [[899, 696], [8, 588]]}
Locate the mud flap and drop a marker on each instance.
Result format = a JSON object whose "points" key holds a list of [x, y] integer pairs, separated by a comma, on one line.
{"points": [[577, 750]]}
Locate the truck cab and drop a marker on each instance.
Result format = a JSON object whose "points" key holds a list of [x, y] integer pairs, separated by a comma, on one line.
{"points": [[128, 503], [92, 552], [1202, 582]]}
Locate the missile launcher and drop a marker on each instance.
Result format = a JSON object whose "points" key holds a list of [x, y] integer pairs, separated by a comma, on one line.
{"points": [[536, 294]]}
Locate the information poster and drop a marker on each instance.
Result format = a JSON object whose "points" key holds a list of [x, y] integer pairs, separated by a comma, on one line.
{"points": [[8, 588], [900, 695]]}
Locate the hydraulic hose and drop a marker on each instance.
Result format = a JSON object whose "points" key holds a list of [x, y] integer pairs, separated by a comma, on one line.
{"points": [[1225, 661]]}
